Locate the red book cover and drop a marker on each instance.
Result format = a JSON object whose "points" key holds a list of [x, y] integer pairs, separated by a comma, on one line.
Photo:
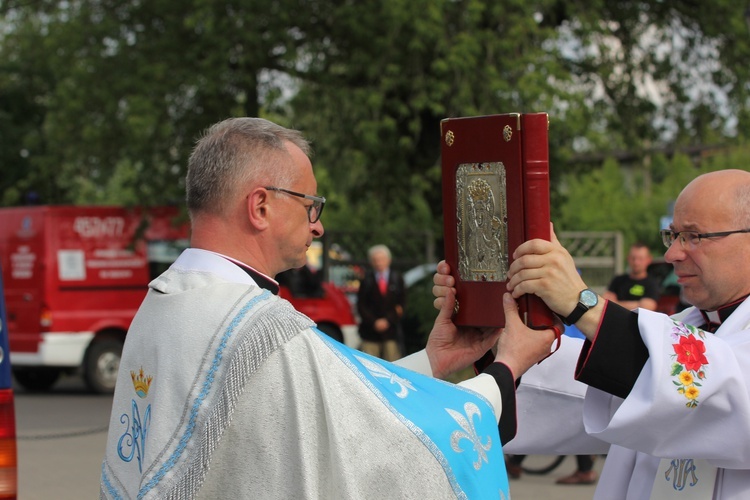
{"points": [[495, 172]]}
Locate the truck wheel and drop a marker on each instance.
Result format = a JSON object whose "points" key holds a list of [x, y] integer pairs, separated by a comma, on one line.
{"points": [[101, 365], [36, 379], [332, 331]]}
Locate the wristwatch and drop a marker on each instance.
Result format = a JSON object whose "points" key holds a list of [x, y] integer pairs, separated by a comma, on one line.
{"points": [[586, 300]]}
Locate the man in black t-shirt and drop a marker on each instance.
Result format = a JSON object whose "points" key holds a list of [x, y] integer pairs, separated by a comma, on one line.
{"points": [[636, 288]]}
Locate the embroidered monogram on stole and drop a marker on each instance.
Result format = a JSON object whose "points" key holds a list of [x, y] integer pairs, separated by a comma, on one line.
{"points": [[132, 443]]}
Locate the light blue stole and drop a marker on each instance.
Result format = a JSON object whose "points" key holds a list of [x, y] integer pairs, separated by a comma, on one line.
{"points": [[457, 425]]}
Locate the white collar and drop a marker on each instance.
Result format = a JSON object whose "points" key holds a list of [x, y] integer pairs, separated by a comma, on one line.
{"points": [[196, 259]]}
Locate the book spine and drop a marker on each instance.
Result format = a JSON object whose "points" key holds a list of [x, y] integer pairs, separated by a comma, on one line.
{"points": [[535, 158]]}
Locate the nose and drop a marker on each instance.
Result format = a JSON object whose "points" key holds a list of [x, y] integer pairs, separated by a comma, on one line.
{"points": [[675, 252], [317, 229]]}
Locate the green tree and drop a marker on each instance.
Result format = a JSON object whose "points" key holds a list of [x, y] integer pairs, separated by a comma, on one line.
{"points": [[374, 103], [130, 85], [598, 202], [102, 100], [657, 70]]}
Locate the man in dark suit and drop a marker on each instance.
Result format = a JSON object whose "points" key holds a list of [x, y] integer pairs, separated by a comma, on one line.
{"points": [[380, 302]]}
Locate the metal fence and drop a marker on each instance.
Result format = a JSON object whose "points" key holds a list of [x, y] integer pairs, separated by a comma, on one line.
{"points": [[598, 255]]}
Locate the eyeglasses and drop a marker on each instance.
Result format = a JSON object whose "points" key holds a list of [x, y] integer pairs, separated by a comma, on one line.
{"points": [[313, 211], [692, 239]]}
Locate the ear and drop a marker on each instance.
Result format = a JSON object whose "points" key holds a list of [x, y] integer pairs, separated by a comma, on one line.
{"points": [[258, 208]]}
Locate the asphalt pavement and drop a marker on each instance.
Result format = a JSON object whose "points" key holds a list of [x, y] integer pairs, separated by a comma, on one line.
{"points": [[61, 438], [533, 487]]}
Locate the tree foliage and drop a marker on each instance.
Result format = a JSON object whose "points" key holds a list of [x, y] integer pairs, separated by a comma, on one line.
{"points": [[374, 104], [612, 198], [102, 100]]}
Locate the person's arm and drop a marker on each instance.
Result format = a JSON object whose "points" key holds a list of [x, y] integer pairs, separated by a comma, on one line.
{"points": [[547, 270], [450, 349], [518, 348], [692, 380], [614, 360], [497, 384], [644, 303], [614, 354], [647, 303], [550, 408], [611, 292], [395, 298]]}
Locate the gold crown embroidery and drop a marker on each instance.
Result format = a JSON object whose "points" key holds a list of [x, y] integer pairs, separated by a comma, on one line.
{"points": [[141, 383]]}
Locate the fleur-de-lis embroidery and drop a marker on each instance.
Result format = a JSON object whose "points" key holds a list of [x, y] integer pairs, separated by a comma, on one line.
{"points": [[379, 371], [469, 432]]}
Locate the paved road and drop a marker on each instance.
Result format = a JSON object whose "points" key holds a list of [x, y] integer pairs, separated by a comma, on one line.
{"points": [[62, 438], [543, 487]]}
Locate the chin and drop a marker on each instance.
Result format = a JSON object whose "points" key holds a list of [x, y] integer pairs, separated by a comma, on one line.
{"points": [[700, 304]]}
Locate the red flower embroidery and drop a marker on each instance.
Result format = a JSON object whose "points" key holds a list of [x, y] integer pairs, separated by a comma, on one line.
{"points": [[690, 353]]}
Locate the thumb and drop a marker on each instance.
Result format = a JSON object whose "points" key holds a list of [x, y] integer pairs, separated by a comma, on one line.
{"points": [[446, 309], [511, 309], [552, 235]]}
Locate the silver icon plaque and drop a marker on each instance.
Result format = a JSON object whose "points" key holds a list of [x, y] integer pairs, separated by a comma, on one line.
{"points": [[482, 221]]}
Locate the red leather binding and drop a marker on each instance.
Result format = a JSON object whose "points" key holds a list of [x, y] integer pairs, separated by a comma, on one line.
{"points": [[520, 142]]}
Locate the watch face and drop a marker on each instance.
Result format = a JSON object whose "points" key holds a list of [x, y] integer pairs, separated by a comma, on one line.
{"points": [[588, 298]]}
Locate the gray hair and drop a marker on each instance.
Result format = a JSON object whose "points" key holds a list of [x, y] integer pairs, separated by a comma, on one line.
{"points": [[378, 249], [234, 153]]}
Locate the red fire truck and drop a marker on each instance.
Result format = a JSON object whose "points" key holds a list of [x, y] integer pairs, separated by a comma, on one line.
{"points": [[74, 277]]}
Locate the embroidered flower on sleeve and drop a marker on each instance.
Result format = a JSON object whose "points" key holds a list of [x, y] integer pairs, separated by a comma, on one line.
{"points": [[689, 361], [690, 353], [686, 378]]}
